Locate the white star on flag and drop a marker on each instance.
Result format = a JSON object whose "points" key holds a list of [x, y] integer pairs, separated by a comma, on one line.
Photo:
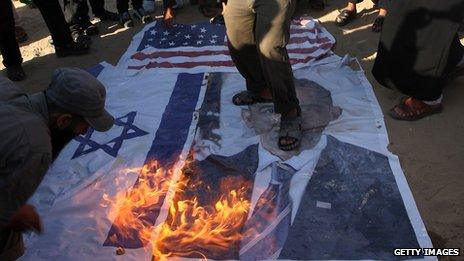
{"points": [[215, 36], [203, 30], [171, 43], [199, 42], [187, 36], [201, 36], [163, 39], [193, 26], [166, 33], [153, 32], [213, 41]]}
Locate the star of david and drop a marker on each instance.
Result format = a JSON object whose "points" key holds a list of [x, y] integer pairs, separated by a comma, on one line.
{"points": [[129, 131]]}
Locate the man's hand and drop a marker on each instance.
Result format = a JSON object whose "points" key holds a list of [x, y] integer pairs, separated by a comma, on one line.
{"points": [[26, 218], [168, 17]]}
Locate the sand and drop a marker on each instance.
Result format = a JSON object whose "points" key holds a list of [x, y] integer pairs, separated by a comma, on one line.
{"points": [[431, 150]]}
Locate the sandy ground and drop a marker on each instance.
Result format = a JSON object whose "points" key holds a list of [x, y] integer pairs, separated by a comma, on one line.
{"points": [[431, 150]]}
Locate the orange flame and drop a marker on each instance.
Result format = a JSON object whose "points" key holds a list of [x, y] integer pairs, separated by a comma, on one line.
{"points": [[191, 229]]}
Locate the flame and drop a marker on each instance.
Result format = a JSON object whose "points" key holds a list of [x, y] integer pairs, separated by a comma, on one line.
{"points": [[193, 228]]}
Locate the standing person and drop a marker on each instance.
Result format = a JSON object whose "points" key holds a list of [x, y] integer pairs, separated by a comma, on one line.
{"points": [[59, 30], [77, 15], [257, 35], [419, 50], [349, 13], [125, 18], [34, 129], [9, 47]]}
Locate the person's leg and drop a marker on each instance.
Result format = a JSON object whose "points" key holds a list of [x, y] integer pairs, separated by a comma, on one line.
{"points": [[98, 7], [56, 23], [240, 22], [59, 30], [122, 6], [272, 32], [8, 46], [348, 13]]}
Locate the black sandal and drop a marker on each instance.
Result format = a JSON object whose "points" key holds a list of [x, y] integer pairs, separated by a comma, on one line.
{"points": [[248, 98], [378, 24], [345, 17], [290, 127]]}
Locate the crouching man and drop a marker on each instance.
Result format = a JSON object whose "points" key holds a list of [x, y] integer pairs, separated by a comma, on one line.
{"points": [[34, 129]]}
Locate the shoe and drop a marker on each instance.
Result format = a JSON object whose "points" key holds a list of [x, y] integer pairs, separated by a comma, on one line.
{"points": [[73, 48], [345, 17], [218, 19], [108, 16], [15, 73], [21, 35], [126, 20], [142, 15], [90, 29], [78, 36]]}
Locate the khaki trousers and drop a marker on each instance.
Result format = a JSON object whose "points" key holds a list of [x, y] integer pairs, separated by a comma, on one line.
{"points": [[257, 32]]}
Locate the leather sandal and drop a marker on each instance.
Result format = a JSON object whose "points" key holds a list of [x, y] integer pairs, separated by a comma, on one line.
{"points": [[248, 98], [378, 24], [290, 128], [345, 17], [414, 110]]}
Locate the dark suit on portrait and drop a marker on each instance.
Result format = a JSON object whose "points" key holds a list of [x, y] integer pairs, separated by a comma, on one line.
{"points": [[366, 218]]}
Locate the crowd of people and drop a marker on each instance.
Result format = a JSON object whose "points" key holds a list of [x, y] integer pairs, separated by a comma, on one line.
{"points": [[418, 53]]}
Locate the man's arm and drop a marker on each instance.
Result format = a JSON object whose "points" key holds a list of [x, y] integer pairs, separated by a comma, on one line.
{"points": [[18, 186]]}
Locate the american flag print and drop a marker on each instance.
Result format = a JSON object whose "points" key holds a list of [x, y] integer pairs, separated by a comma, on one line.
{"points": [[202, 47]]}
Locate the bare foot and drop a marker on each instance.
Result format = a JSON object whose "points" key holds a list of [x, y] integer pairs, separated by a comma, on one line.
{"points": [[168, 17]]}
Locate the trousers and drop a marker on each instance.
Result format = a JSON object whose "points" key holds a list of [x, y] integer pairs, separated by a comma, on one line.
{"points": [[54, 18], [9, 48], [257, 33]]}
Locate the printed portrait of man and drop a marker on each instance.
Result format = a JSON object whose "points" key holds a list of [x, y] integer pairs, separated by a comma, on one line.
{"points": [[317, 112], [342, 199]]}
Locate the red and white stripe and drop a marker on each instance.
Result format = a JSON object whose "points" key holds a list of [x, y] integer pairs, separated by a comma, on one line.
{"points": [[307, 43]]}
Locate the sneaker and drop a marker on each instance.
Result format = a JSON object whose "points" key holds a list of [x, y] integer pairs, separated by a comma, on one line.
{"points": [[15, 73], [126, 20], [108, 16], [142, 15], [80, 38], [73, 48], [90, 29]]}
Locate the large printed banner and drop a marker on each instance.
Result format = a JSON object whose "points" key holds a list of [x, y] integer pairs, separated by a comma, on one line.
{"points": [[185, 174], [216, 186]]}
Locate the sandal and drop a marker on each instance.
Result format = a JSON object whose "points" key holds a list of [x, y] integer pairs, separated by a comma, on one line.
{"points": [[345, 17], [290, 128], [317, 5], [413, 110], [248, 98], [378, 24]]}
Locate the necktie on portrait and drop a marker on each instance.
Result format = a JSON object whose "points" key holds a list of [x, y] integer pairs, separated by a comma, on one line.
{"points": [[265, 232]]}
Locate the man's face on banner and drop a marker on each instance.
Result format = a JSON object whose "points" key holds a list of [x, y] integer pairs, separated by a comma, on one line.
{"points": [[317, 112]]}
